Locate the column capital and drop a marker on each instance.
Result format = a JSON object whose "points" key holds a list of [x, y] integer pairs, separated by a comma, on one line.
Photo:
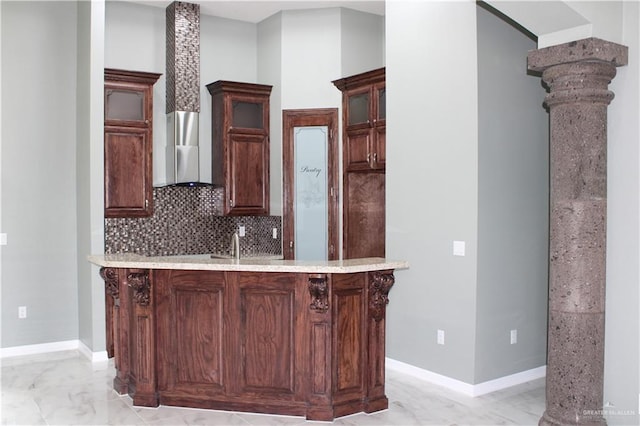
{"points": [[586, 50]]}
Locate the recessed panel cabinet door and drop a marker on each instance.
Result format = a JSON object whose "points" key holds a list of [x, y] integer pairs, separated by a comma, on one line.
{"points": [[191, 329], [266, 336], [127, 171], [364, 215], [248, 170]]}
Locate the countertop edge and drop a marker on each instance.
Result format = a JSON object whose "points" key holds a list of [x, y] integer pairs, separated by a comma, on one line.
{"points": [[204, 263]]}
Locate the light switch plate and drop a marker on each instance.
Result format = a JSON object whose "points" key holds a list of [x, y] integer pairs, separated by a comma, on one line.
{"points": [[3, 239], [458, 248]]}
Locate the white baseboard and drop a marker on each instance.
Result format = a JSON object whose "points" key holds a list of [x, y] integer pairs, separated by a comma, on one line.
{"points": [[94, 357], [41, 348], [466, 388], [67, 345]]}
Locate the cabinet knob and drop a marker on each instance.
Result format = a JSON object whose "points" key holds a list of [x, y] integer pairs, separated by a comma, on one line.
{"points": [[231, 202]]}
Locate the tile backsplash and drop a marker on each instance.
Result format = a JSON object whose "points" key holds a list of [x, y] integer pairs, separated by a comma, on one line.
{"points": [[188, 221]]}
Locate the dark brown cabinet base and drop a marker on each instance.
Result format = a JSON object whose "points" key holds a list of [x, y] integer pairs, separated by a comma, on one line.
{"points": [[283, 343]]}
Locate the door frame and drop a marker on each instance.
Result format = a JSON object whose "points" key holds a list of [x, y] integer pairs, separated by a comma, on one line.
{"points": [[302, 118]]}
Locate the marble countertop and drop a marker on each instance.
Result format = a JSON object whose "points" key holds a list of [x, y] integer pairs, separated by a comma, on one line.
{"points": [[205, 262]]}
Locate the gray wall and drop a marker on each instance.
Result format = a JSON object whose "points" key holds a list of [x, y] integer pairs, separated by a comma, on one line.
{"points": [[270, 70], [362, 40], [467, 160], [513, 207], [39, 172], [90, 180], [432, 183], [622, 331]]}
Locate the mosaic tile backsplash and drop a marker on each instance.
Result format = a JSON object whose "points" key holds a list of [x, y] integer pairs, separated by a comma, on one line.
{"points": [[188, 221]]}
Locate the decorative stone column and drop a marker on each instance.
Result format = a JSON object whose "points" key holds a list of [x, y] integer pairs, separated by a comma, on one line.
{"points": [[577, 75]]}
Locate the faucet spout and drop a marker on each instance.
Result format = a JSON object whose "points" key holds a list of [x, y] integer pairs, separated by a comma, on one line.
{"points": [[235, 246]]}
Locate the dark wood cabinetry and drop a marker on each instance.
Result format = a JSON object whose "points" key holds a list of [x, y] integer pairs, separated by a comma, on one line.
{"points": [[364, 118], [240, 137], [308, 344], [128, 143]]}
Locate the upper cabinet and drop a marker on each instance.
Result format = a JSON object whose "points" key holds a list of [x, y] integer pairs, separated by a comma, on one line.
{"points": [[364, 117], [240, 153], [364, 120], [128, 143]]}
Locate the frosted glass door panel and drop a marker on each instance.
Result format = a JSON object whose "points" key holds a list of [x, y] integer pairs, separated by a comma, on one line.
{"points": [[310, 165], [124, 105]]}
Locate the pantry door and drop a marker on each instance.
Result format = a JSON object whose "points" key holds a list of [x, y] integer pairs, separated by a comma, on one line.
{"points": [[310, 184]]}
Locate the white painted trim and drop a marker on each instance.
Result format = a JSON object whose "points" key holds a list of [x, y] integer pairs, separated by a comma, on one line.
{"points": [[68, 345], [94, 357], [41, 348], [466, 388], [509, 381]]}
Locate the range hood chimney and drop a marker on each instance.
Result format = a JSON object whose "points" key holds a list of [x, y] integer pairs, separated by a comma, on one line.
{"points": [[183, 92]]}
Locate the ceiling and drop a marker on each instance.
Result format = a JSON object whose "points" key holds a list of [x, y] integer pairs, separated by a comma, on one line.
{"points": [[255, 10]]}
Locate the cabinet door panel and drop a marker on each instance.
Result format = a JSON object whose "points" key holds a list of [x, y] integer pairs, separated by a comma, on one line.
{"points": [[198, 330], [364, 215], [248, 169], [125, 105], [381, 99], [191, 327], [359, 107], [127, 165], [247, 114], [380, 147], [267, 333], [357, 153], [350, 347]]}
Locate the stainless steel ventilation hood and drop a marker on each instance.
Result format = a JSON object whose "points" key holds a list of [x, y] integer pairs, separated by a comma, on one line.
{"points": [[183, 93], [183, 157]]}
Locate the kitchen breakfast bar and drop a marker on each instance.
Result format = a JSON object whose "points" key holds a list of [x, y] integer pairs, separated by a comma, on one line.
{"points": [[259, 335]]}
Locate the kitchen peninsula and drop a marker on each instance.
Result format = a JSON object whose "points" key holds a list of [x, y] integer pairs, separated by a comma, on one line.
{"points": [[259, 335]]}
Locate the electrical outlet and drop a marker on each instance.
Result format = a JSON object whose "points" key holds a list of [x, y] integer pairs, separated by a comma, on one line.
{"points": [[441, 337], [22, 312], [514, 337], [241, 231], [275, 233]]}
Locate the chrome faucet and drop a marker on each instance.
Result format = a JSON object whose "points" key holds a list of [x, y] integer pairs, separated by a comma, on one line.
{"points": [[235, 246]]}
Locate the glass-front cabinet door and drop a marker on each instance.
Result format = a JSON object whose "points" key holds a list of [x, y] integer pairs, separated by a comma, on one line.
{"points": [[247, 114], [124, 104], [359, 111]]}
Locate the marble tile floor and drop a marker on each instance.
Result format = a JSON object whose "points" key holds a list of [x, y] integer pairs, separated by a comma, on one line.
{"points": [[64, 388]]}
